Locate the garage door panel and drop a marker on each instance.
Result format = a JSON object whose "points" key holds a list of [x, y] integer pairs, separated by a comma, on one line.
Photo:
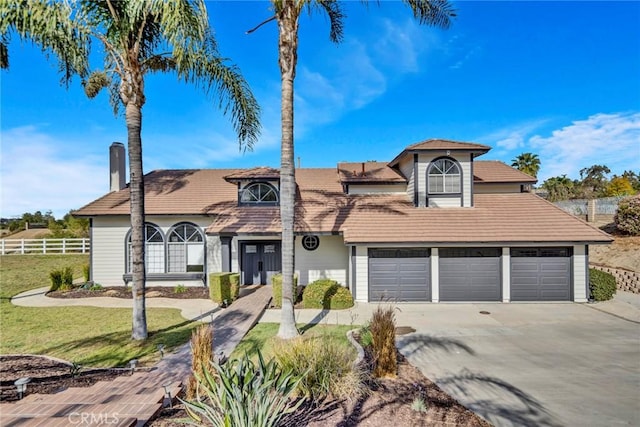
{"points": [[470, 278], [399, 279], [541, 278]]}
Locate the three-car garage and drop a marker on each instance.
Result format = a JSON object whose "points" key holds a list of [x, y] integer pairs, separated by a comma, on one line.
{"points": [[470, 274]]}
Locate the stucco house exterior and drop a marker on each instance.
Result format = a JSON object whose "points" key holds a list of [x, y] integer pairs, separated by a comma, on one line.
{"points": [[433, 224]]}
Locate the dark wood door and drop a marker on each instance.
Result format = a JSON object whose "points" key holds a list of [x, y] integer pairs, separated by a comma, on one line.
{"points": [[260, 261]]}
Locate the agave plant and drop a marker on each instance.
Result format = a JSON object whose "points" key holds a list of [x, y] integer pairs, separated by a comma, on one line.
{"points": [[243, 394]]}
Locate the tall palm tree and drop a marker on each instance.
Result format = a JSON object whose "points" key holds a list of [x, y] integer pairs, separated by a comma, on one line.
{"points": [[139, 37], [287, 13], [528, 163]]}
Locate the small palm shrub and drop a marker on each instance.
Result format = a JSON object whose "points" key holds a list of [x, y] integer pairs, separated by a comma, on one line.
{"points": [[627, 217], [86, 272], [67, 279], [201, 357], [276, 290], [326, 294], [601, 284], [383, 340], [325, 367], [56, 279], [243, 394]]}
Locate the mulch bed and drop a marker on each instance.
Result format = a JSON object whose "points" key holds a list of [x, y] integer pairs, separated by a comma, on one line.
{"points": [[47, 376], [188, 292]]}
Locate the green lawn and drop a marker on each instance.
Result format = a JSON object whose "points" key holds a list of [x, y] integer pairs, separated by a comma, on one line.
{"points": [[263, 337], [87, 335]]}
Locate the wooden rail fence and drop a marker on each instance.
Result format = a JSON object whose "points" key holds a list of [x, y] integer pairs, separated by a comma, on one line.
{"points": [[44, 246]]}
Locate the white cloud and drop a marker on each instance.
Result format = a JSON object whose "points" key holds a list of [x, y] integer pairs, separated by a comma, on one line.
{"points": [[513, 137], [40, 172], [606, 139]]}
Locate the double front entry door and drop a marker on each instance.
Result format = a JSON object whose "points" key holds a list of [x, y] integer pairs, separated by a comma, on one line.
{"points": [[260, 261]]}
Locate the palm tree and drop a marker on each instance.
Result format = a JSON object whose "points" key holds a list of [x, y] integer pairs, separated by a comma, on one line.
{"points": [[528, 163], [287, 13], [139, 37]]}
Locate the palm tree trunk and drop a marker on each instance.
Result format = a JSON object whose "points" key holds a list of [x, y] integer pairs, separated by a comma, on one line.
{"points": [[133, 115], [287, 50]]}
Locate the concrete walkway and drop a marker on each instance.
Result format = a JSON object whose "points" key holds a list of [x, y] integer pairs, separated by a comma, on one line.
{"points": [[133, 400]]}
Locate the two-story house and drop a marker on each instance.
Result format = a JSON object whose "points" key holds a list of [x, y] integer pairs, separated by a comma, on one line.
{"points": [[433, 224]]}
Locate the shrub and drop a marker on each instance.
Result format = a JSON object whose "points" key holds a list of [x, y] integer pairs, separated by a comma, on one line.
{"points": [[242, 394], [627, 217], [276, 289], [67, 279], [56, 279], [95, 287], [326, 294], [86, 272], [383, 340], [234, 281], [201, 357], [601, 284], [180, 289], [325, 367], [220, 287]]}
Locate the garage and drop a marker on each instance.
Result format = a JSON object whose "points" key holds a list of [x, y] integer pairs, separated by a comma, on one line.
{"points": [[541, 274], [470, 274], [399, 274]]}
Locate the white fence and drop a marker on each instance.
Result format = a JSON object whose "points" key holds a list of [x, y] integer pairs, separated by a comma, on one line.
{"points": [[44, 246]]}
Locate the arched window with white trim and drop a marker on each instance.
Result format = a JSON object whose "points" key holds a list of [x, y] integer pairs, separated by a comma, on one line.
{"points": [[185, 247], [154, 249], [259, 193], [444, 176]]}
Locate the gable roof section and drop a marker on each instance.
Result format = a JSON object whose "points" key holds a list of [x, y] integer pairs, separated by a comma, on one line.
{"points": [[440, 144], [262, 172], [506, 218], [368, 172], [494, 171]]}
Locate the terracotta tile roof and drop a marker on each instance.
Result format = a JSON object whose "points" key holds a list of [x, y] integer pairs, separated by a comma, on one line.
{"points": [[495, 171], [368, 172], [262, 172], [509, 218], [440, 144], [445, 144]]}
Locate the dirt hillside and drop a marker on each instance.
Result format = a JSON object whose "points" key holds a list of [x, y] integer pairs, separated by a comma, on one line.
{"points": [[624, 252], [35, 233]]}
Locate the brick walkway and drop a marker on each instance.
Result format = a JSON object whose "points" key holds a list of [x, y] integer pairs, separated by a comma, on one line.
{"points": [[132, 400]]}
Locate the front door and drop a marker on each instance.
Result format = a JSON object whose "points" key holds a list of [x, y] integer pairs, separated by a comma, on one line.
{"points": [[260, 261]]}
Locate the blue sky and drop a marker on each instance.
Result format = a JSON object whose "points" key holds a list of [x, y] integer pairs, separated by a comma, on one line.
{"points": [[559, 79]]}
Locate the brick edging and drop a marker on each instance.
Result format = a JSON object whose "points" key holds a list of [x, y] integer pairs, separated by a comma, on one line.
{"points": [[626, 280]]}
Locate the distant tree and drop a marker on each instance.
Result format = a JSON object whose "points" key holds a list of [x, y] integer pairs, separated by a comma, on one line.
{"points": [[633, 178], [619, 186], [528, 163], [559, 188], [594, 180]]}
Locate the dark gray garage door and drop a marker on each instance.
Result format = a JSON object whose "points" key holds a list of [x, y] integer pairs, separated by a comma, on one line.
{"points": [[541, 274], [399, 274], [470, 274]]}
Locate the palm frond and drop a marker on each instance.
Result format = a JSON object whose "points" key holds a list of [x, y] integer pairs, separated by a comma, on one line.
{"points": [[51, 25], [334, 11], [438, 13]]}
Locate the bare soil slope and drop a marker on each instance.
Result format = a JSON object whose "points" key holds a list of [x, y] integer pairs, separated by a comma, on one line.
{"points": [[624, 252]]}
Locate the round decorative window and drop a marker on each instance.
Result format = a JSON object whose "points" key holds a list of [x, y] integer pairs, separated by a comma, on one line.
{"points": [[310, 243]]}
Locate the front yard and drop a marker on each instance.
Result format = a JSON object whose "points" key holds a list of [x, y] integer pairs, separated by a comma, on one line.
{"points": [[86, 335]]}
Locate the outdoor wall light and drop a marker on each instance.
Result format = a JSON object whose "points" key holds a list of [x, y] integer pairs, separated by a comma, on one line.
{"points": [[167, 394], [161, 350], [21, 386]]}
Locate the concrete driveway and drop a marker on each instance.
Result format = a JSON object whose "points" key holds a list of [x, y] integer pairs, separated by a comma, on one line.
{"points": [[536, 364]]}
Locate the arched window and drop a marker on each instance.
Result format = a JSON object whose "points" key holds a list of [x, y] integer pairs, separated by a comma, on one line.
{"points": [[444, 176], [185, 249], [154, 249], [259, 192]]}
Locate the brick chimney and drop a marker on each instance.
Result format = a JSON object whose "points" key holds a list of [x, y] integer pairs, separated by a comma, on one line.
{"points": [[117, 167]]}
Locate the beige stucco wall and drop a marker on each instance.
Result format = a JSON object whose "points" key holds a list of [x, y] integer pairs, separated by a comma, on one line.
{"points": [[329, 261]]}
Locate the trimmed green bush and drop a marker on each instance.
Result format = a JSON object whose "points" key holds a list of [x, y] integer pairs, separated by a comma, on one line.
{"points": [[326, 294], [234, 280], [276, 289], [627, 217], [220, 287], [601, 284]]}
